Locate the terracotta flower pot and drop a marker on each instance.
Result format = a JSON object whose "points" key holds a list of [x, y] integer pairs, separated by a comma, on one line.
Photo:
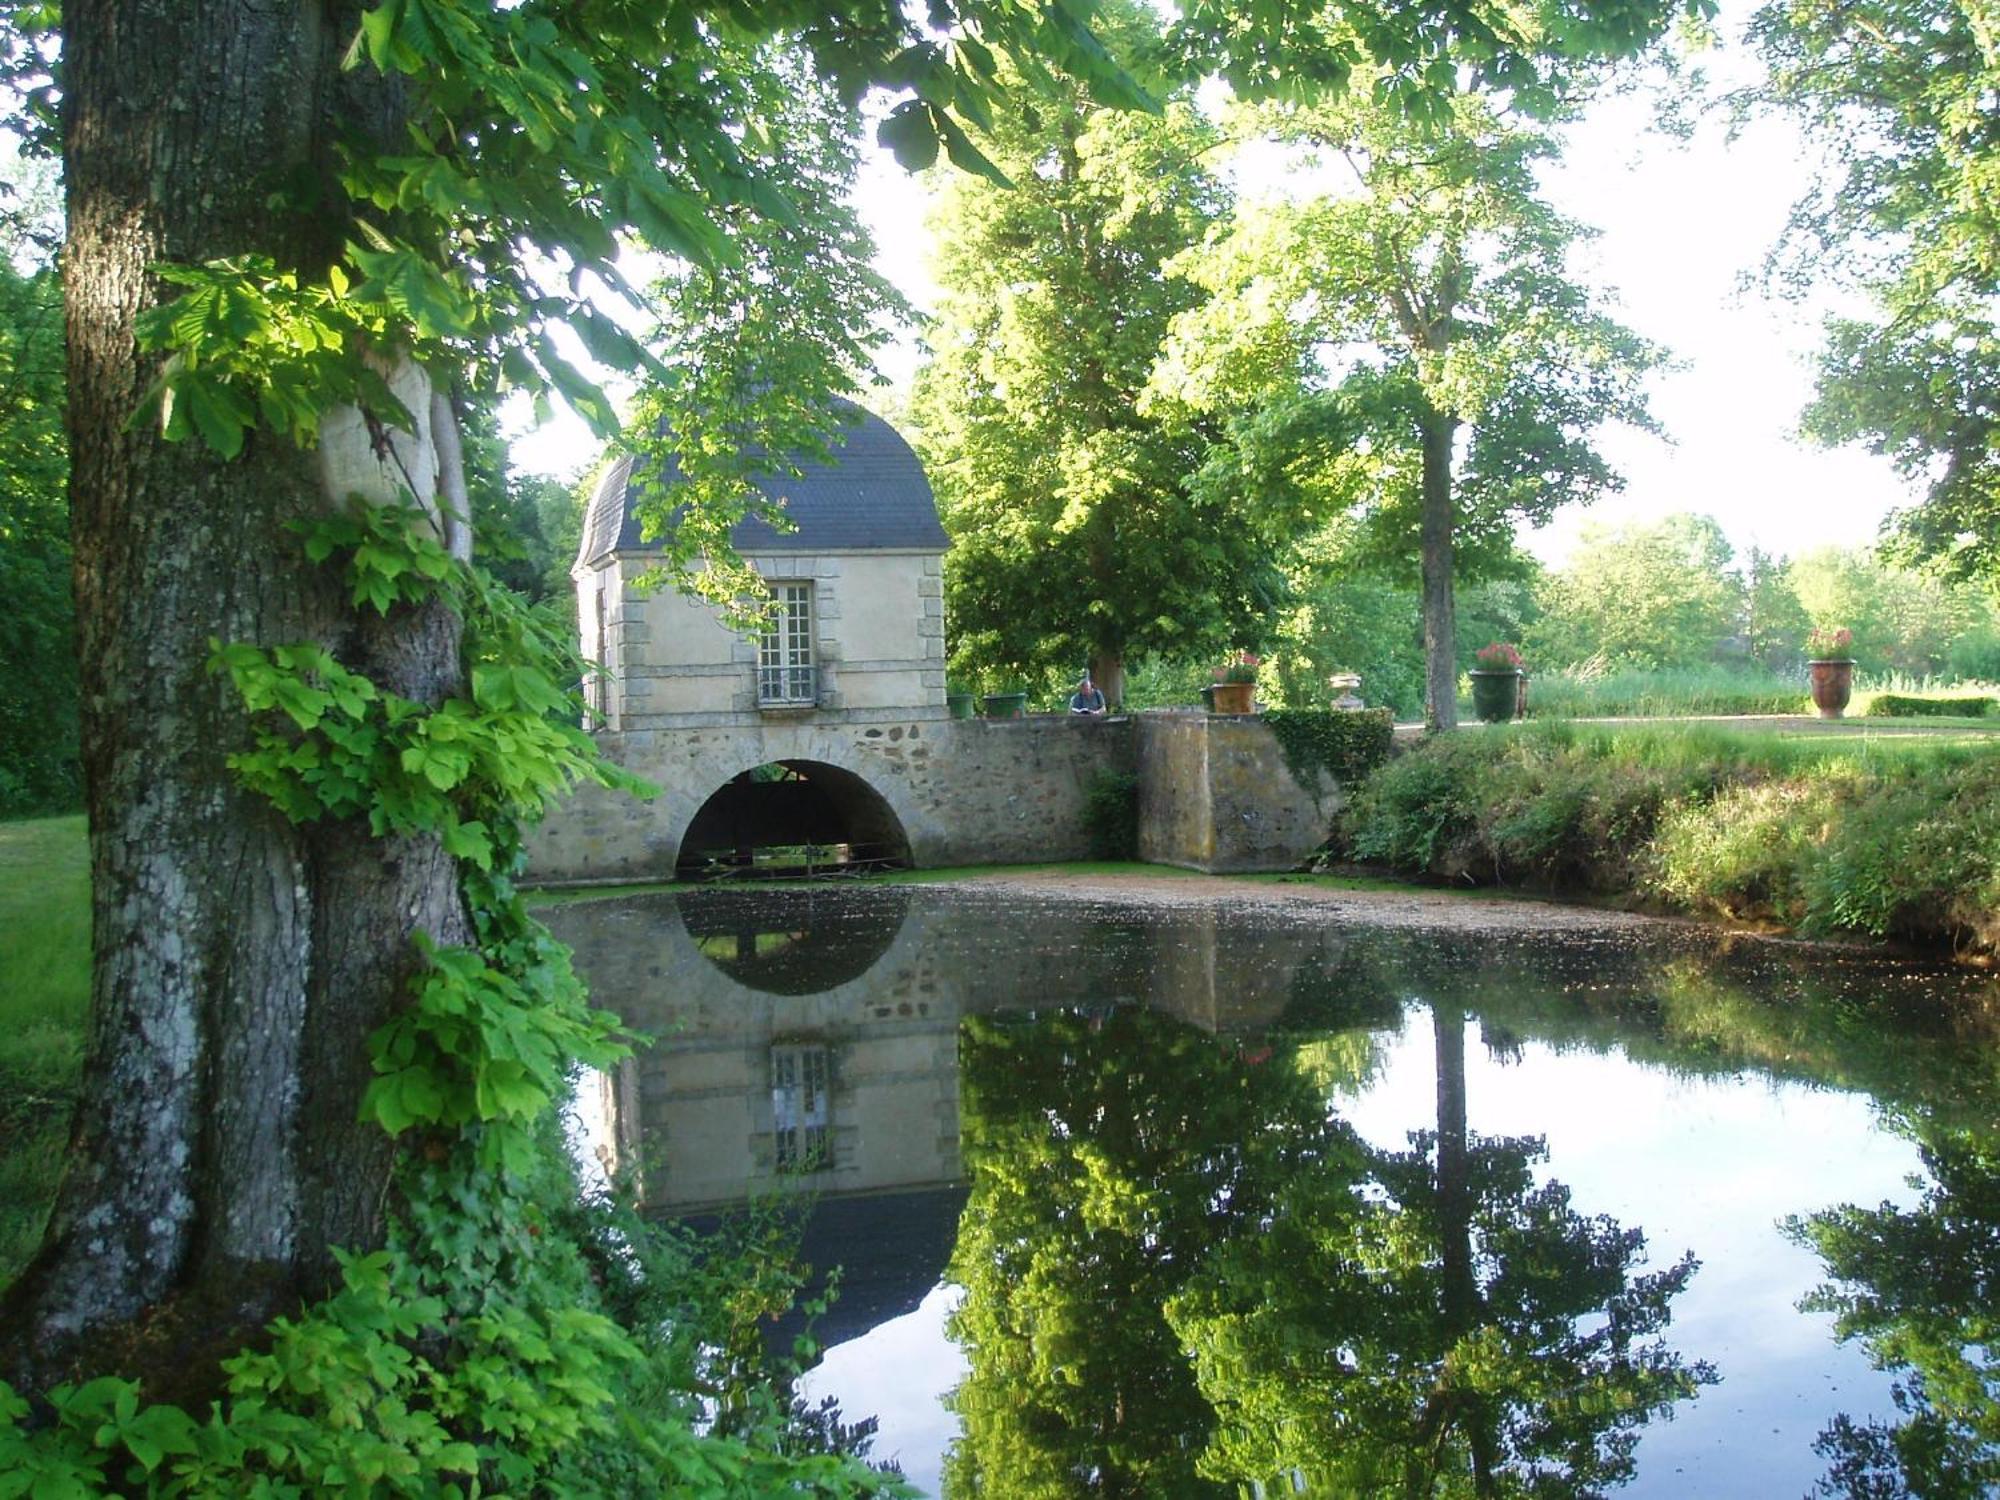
{"points": [[1832, 686], [1233, 698]]}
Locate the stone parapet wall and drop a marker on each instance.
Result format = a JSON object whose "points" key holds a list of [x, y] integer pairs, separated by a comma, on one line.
{"points": [[966, 791], [1259, 817], [1214, 793], [1176, 823]]}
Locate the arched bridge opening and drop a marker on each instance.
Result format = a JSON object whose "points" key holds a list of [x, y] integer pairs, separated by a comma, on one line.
{"points": [[792, 817]]}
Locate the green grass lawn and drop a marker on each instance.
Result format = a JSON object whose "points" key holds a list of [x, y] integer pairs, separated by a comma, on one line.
{"points": [[44, 994]]}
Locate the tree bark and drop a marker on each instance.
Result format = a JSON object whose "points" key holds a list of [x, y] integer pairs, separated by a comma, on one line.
{"points": [[1440, 619], [238, 962], [1107, 670]]}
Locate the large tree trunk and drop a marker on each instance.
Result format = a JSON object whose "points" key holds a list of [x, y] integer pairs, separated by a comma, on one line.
{"points": [[1440, 619], [1107, 670], [238, 962]]}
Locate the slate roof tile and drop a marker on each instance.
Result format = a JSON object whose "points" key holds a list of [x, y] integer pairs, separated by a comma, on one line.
{"points": [[871, 494]]}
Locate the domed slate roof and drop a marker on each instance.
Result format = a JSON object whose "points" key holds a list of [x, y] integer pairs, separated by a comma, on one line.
{"points": [[871, 493]]}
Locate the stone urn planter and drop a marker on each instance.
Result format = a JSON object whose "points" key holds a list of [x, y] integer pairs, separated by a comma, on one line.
{"points": [[960, 705], [1832, 685], [1233, 698], [1005, 705], [1496, 696]]}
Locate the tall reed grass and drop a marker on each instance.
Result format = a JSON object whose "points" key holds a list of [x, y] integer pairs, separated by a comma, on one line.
{"points": [[1711, 691]]}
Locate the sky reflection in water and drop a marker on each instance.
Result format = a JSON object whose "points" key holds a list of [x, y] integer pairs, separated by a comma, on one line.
{"points": [[1680, 1091]]}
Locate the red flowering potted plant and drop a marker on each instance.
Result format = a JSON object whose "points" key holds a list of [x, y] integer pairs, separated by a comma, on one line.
{"points": [[1235, 687], [1496, 682], [1830, 666]]}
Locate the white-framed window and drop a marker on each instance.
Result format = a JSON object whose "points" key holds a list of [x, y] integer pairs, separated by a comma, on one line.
{"points": [[600, 679], [799, 1078], [785, 671]]}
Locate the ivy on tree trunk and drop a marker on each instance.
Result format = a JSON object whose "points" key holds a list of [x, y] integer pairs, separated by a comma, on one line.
{"points": [[238, 961]]}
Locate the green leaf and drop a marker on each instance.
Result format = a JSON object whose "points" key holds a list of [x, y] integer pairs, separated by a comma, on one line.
{"points": [[907, 132], [378, 33], [581, 392], [218, 413], [966, 156], [303, 702], [468, 841]]}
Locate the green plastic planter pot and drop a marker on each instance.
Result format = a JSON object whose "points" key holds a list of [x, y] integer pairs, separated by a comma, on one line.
{"points": [[1496, 696], [1005, 705], [960, 705]]}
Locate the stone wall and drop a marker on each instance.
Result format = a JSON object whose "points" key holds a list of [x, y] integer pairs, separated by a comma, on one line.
{"points": [[966, 791], [1176, 824], [1215, 795], [675, 665], [1260, 818], [1214, 791]]}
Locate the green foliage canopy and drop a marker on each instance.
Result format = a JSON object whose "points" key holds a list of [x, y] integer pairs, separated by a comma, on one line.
{"points": [[1658, 595], [38, 688], [1427, 306], [1080, 531], [1353, 609], [1898, 95]]}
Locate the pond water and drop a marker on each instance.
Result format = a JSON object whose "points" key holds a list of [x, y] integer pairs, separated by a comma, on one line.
{"points": [[1248, 1196]]}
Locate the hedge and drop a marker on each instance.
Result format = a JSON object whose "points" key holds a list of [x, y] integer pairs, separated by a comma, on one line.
{"points": [[1342, 745], [1896, 706]]}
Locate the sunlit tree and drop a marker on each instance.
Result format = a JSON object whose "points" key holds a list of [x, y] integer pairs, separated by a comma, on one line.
{"points": [[1426, 305]]}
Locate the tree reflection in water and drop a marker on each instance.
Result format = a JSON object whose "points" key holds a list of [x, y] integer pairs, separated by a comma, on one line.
{"points": [[1185, 1275], [1920, 1287]]}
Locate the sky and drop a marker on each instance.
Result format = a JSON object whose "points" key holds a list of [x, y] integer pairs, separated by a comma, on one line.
{"points": [[1682, 224]]}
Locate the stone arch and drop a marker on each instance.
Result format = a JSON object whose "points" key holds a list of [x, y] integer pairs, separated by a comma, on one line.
{"points": [[792, 802]]}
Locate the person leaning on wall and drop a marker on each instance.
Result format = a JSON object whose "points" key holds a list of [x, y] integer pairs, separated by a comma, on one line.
{"points": [[1086, 699]]}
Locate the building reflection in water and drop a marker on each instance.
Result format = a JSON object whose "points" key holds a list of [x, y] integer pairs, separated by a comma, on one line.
{"points": [[1146, 1104], [810, 1041]]}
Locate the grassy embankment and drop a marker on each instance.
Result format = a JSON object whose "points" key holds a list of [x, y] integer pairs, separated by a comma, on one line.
{"points": [[1703, 691], [44, 994], [1884, 836]]}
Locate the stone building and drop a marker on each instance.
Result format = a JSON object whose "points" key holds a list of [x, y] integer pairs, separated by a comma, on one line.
{"points": [[859, 637], [827, 740]]}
